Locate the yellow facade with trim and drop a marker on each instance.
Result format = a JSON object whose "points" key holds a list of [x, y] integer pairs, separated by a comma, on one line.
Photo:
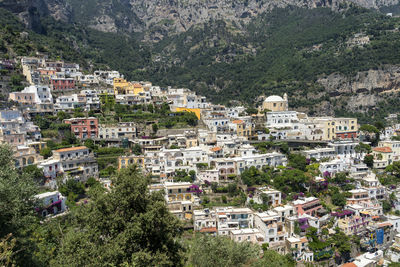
{"points": [[196, 111], [126, 161]]}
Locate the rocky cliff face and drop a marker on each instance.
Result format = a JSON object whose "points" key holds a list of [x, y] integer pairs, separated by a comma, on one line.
{"points": [[365, 89], [172, 16], [161, 16], [30, 11]]}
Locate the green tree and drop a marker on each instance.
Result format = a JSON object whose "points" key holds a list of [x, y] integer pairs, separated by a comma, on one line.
{"points": [[233, 189], [220, 251], [272, 258], [368, 128], [17, 203], [192, 175], [387, 207], [155, 128], [253, 176], [369, 160], [72, 189], [291, 181], [128, 226], [46, 152], [61, 115], [298, 161], [362, 148], [89, 143], [339, 199], [340, 178], [137, 149], [69, 138], [34, 172], [394, 168], [341, 242], [78, 113], [251, 110]]}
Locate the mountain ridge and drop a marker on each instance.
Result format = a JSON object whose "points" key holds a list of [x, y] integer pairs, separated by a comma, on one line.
{"points": [[318, 56], [156, 19]]}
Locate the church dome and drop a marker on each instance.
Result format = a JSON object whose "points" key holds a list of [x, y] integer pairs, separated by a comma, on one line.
{"points": [[274, 98]]}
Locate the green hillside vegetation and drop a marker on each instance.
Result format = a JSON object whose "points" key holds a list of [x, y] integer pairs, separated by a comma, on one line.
{"points": [[285, 58], [285, 50]]}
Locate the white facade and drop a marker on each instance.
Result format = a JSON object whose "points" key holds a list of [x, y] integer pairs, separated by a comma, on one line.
{"points": [[333, 166], [271, 228], [281, 119], [229, 219], [211, 176], [259, 160], [51, 203], [204, 219], [320, 153], [121, 130]]}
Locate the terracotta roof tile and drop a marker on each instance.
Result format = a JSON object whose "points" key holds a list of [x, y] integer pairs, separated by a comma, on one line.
{"points": [[208, 230], [71, 149], [384, 149]]}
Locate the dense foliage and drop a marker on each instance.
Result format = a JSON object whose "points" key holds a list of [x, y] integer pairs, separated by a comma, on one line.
{"points": [[285, 50]]}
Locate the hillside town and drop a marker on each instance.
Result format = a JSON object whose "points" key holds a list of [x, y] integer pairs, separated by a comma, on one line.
{"points": [[319, 189]]}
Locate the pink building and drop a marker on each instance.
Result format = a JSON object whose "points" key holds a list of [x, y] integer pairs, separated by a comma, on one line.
{"points": [[84, 128], [308, 205], [62, 84]]}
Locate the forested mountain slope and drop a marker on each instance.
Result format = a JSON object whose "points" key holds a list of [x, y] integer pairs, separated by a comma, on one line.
{"points": [[338, 58]]}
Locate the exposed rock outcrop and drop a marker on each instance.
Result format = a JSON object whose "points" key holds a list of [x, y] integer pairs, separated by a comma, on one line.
{"points": [[364, 89]]}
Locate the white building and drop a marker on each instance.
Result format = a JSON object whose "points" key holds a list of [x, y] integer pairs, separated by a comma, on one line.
{"points": [[271, 228], [333, 166], [205, 221], [320, 153], [116, 131], [211, 176], [249, 235], [273, 159], [51, 203], [229, 219], [274, 196]]}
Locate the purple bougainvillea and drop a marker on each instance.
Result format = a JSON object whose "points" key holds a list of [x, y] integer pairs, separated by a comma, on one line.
{"points": [[195, 189]]}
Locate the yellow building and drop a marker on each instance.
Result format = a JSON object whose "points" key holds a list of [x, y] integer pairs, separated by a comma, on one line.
{"points": [[179, 192], [38, 146], [120, 84], [327, 125], [191, 142], [275, 103], [196, 111], [123, 87], [242, 129], [137, 89], [126, 161], [346, 128]]}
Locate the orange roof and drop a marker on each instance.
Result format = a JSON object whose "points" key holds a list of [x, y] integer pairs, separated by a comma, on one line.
{"points": [[237, 121], [384, 224], [215, 149], [375, 217], [137, 85], [384, 149], [71, 149], [349, 264], [304, 239], [208, 230]]}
